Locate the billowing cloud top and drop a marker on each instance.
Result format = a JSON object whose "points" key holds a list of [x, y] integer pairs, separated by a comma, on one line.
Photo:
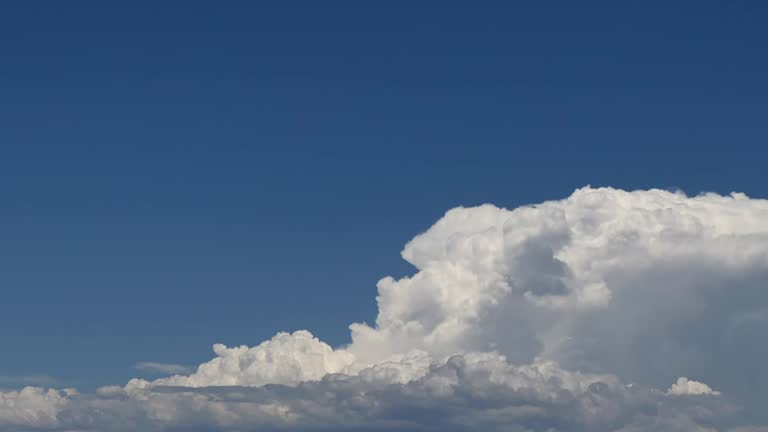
{"points": [[684, 386], [531, 319]]}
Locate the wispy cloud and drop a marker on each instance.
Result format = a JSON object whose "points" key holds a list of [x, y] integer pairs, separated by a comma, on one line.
{"points": [[166, 368], [24, 380]]}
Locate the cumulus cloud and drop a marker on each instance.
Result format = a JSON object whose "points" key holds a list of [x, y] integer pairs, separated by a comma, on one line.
{"points": [[285, 359], [529, 319], [465, 392], [684, 386], [32, 407]]}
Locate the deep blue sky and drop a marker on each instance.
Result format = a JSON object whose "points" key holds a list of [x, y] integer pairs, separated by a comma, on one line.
{"points": [[178, 174]]}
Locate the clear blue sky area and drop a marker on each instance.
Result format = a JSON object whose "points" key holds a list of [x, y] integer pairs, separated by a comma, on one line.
{"points": [[174, 174]]}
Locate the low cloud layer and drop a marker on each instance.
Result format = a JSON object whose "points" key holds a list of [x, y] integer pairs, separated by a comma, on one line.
{"points": [[583, 314], [477, 391]]}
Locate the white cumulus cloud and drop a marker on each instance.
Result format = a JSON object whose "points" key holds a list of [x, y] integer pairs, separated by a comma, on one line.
{"points": [[32, 407], [525, 319], [684, 386], [285, 359]]}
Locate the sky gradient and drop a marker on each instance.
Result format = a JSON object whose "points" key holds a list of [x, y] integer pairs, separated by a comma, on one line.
{"points": [[176, 175]]}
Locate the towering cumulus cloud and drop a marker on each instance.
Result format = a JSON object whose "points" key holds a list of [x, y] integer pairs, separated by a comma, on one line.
{"points": [[584, 314]]}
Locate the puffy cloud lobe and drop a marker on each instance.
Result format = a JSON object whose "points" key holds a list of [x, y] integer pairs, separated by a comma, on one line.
{"points": [[640, 286], [557, 258], [32, 407], [285, 359], [684, 386]]}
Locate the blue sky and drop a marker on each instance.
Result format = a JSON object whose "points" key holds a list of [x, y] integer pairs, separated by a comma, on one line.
{"points": [[178, 174]]}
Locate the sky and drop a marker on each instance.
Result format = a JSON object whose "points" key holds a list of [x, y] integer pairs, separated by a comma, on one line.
{"points": [[182, 174]]}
